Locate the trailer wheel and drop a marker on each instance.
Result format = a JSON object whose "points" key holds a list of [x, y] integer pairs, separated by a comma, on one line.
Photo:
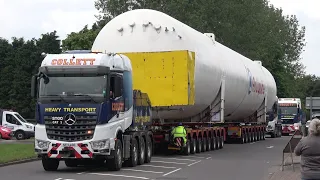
{"points": [[246, 138], [214, 144], [193, 146], [199, 146], [148, 150], [133, 160], [258, 135], [142, 152], [255, 136], [186, 150], [50, 164], [204, 145], [243, 138], [209, 144], [221, 142], [115, 163]]}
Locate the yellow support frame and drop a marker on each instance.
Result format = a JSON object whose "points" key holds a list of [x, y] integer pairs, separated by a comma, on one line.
{"points": [[164, 76]]}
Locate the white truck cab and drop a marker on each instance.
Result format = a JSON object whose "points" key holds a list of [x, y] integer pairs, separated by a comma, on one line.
{"points": [[19, 126]]}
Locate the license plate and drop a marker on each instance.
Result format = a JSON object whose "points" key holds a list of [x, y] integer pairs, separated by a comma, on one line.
{"points": [[68, 145]]}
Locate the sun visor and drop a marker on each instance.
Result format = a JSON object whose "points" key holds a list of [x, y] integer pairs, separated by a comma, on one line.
{"points": [[70, 70]]}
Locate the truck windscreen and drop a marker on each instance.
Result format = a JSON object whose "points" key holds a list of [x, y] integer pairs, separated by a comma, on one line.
{"points": [[288, 110], [81, 85]]}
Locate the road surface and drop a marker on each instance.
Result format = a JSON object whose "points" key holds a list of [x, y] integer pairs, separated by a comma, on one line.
{"points": [[235, 161]]}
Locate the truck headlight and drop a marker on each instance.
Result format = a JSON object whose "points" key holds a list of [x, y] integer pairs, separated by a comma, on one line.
{"points": [[102, 144], [29, 127], [296, 127], [42, 144]]}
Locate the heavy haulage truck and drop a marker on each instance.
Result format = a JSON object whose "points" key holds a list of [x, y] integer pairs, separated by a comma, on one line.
{"points": [[147, 72]]}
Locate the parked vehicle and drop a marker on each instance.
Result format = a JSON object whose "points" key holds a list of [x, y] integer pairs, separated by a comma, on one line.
{"points": [[18, 125], [5, 133]]}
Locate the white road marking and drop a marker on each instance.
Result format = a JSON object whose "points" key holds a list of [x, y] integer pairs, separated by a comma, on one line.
{"points": [[208, 158], [58, 179], [252, 142], [166, 167], [63, 179], [138, 170], [82, 172], [194, 163], [119, 175], [200, 157], [180, 159], [270, 147], [168, 162], [171, 172]]}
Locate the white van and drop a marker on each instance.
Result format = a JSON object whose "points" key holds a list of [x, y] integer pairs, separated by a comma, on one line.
{"points": [[20, 127]]}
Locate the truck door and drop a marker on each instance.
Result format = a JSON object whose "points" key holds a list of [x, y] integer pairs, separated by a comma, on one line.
{"points": [[11, 122]]}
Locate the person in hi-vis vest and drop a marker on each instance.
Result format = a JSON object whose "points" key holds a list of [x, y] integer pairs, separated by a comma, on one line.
{"points": [[180, 131]]}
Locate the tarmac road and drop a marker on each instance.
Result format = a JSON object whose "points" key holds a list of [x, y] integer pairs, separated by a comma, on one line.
{"points": [[235, 161]]}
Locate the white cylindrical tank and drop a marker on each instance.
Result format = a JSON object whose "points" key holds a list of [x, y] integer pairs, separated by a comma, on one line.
{"points": [[247, 82]]}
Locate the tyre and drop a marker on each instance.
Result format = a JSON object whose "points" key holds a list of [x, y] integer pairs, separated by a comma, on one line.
{"points": [[142, 152], [71, 163], [221, 142], [115, 163], [50, 164], [218, 142], [199, 146], [193, 146], [272, 135], [20, 135], [148, 150], [0, 135], [133, 160], [214, 144], [186, 150], [204, 145], [209, 144]]}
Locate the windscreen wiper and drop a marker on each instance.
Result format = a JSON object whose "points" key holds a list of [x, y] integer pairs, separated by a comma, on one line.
{"points": [[86, 96], [58, 96]]}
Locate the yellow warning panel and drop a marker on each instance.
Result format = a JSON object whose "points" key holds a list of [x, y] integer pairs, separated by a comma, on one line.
{"points": [[167, 77]]}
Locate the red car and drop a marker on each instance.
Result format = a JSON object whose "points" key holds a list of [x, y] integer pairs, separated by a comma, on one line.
{"points": [[5, 133]]}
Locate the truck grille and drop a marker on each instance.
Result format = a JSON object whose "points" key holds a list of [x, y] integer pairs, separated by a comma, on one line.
{"points": [[76, 132]]}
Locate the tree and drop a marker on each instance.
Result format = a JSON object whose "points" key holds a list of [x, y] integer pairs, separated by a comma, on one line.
{"points": [[21, 60]]}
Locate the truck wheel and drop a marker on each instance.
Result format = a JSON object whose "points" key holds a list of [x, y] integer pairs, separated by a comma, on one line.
{"points": [[204, 145], [199, 146], [193, 146], [115, 163], [243, 139], [20, 135], [272, 135], [50, 164], [71, 163], [214, 144], [263, 135], [221, 142], [148, 150], [209, 144], [259, 135], [186, 150], [133, 161], [142, 152]]}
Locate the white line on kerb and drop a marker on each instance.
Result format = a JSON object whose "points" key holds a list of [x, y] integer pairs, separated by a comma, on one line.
{"points": [[138, 170], [119, 175], [194, 163], [172, 172], [176, 159], [168, 162], [166, 167]]}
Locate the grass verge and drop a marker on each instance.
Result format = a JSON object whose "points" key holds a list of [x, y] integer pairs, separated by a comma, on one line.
{"points": [[15, 152]]}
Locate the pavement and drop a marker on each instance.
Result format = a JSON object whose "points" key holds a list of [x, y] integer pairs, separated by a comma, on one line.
{"points": [[253, 161]]}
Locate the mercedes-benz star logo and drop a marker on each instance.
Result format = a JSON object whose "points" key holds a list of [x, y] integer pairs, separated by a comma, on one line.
{"points": [[70, 119]]}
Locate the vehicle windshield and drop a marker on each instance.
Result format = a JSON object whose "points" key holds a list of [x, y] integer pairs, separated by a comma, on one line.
{"points": [[20, 118], [80, 85], [288, 110], [287, 121]]}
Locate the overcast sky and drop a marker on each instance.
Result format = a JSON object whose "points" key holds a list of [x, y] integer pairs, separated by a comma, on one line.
{"points": [[30, 18]]}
